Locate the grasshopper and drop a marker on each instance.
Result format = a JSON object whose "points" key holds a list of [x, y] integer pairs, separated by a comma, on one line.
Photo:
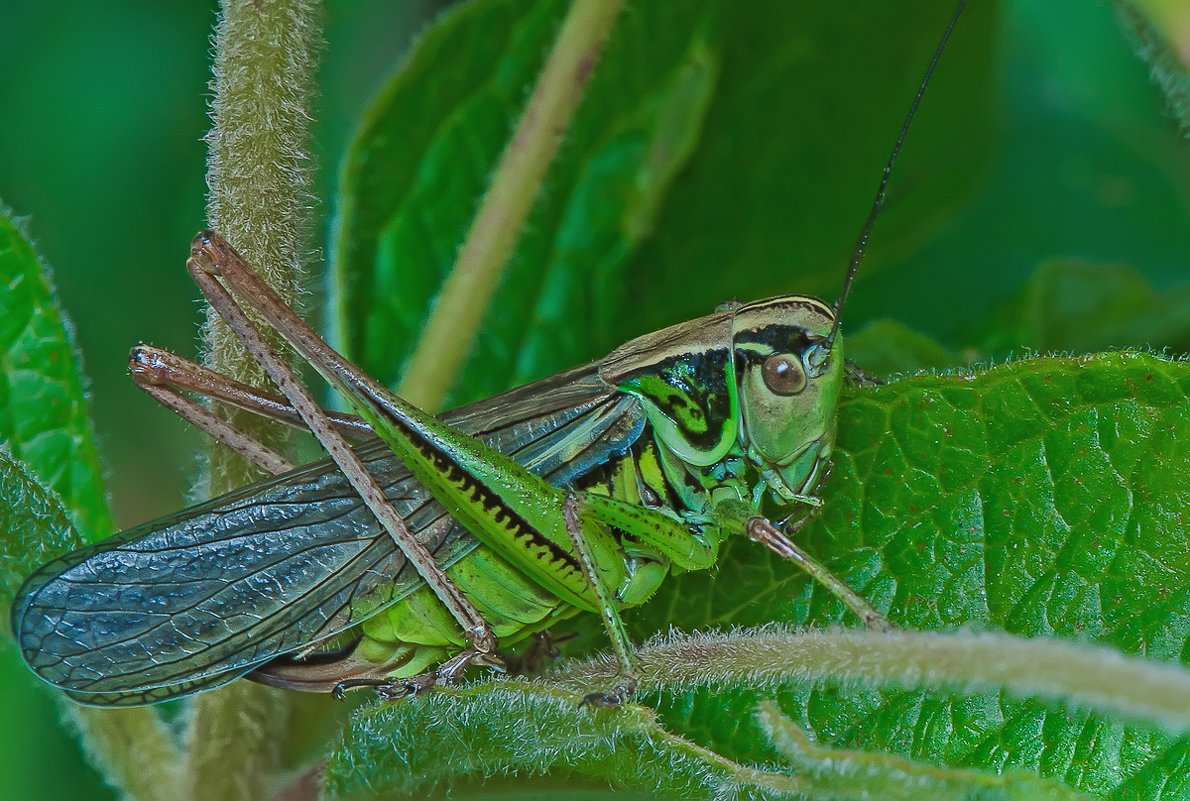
{"points": [[400, 562]]}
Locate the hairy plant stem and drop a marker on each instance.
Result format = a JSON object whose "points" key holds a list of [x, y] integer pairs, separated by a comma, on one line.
{"points": [[259, 173], [531, 727], [132, 749], [515, 183], [1078, 675]]}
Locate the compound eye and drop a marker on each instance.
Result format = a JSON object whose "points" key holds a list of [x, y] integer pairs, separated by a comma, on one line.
{"points": [[783, 374]]}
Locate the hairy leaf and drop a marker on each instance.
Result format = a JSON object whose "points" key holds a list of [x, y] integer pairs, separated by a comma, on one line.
{"points": [[34, 528], [1043, 498], [43, 417]]}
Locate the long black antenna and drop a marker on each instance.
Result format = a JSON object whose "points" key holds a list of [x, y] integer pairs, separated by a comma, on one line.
{"points": [[858, 254]]}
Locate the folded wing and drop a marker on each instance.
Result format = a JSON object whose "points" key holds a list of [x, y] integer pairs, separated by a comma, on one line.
{"points": [[195, 600]]}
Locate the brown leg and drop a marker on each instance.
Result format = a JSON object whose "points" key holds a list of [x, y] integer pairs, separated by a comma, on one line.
{"points": [[154, 367], [768, 535], [165, 377], [448, 673], [217, 428], [211, 257]]}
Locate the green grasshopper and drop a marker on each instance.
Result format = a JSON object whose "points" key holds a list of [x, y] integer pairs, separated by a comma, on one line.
{"points": [[400, 562]]}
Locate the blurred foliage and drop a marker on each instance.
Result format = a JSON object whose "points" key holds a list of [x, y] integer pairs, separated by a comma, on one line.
{"points": [[104, 112], [1041, 142], [750, 212]]}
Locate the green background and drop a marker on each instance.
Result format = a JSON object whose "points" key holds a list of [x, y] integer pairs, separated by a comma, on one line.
{"points": [[103, 110], [1064, 152]]}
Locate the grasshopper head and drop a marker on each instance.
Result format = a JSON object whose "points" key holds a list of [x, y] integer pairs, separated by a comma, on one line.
{"points": [[788, 377]]}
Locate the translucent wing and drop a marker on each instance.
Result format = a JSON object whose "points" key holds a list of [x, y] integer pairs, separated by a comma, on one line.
{"points": [[195, 600]]}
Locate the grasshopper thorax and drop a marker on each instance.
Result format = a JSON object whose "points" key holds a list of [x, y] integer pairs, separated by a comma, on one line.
{"points": [[787, 382]]}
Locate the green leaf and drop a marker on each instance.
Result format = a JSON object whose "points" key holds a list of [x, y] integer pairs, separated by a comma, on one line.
{"points": [[887, 347], [43, 416], [1041, 497], [529, 728], [667, 178], [34, 526], [1073, 305], [1044, 498], [526, 729], [1068, 305]]}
